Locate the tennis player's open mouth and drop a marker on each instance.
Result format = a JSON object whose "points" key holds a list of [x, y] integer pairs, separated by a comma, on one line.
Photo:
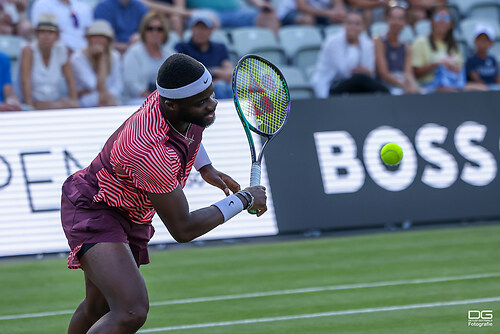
{"points": [[210, 114]]}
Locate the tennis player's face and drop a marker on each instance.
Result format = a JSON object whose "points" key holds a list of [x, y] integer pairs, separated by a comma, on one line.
{"points": [[200, 109]]}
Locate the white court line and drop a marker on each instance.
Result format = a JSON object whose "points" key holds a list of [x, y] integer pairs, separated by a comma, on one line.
{"points": [[276, 293], [323, 314]]}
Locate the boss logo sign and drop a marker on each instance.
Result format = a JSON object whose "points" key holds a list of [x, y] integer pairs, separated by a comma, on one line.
{"points": [[343, 172], [477, 318]]}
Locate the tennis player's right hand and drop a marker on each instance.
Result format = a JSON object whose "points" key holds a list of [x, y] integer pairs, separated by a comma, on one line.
{"points": [[260, 199]]}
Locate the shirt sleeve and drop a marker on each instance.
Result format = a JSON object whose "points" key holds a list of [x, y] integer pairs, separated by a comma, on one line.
{"points": [[325, 70]]}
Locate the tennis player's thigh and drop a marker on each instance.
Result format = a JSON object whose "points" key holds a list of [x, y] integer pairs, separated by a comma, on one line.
{"points": [[112, 269]]}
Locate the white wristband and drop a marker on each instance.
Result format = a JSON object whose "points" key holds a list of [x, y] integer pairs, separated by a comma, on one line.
{"points": [[229, 206], [202, 158]]}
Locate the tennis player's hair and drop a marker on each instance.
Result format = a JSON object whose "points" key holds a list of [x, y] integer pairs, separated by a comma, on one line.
{"points": [[179, 70]]}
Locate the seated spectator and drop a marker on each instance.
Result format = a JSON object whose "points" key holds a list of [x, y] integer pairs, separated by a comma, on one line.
{"points": [[420, 9], [6, 24], [213, 55], [234, 13], [8, 99], [124, 16], [393, 58], [142, 60], [373, 9], [73, 16], [97, 68], [309, 12], [437, 62], [481, 68], [45, 68], [346, 62], [17, 11], [175, 10]]}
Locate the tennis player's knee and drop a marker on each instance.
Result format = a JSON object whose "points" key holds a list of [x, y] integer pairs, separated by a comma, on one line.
{"points": [[133, 317]]}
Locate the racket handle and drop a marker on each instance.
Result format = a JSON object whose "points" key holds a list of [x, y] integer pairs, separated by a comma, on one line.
{"points": [[255, 180]]}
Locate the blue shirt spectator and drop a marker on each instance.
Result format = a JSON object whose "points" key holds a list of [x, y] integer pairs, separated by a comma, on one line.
{"points": [[213, 55], [5, 78], [487, 68], [8, 99], [124, 16]]}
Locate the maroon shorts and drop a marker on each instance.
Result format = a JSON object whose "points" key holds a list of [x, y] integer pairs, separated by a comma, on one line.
{"points": [[85, 221]]}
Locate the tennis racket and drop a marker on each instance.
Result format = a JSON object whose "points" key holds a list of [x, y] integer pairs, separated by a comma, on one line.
{"points": [[262, 100]]}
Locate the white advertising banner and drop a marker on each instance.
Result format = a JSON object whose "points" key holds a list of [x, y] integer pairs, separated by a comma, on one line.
{"points": [[40, 149]]}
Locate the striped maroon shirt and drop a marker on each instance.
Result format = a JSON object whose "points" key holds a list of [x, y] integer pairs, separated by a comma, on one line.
{"points": [[144, 155]]}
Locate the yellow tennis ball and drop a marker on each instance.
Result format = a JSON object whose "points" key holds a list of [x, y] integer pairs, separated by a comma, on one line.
{"points": [[391, 154]]}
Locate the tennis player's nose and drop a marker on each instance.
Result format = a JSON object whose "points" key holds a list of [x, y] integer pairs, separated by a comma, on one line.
{"points": [[213, 103]]}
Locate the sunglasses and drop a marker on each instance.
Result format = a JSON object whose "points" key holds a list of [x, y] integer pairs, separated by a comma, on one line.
{"points": [[442, 17], [160, 29]]}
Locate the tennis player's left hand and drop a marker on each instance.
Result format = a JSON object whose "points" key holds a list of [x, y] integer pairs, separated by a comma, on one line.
{"points": [[218, 179]]}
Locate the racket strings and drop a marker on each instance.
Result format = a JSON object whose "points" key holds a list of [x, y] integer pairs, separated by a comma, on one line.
{"points": [[262, 95]]}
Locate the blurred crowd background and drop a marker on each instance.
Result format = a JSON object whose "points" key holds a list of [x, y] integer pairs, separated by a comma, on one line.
{"points": [[88, 53]]}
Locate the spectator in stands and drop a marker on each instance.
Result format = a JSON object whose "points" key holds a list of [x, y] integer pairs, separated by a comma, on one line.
{"points": [[481, 68], [97, 69], [308, 12], [437, 62], [420, 9], [45, 68], [393, 58], [373, 9], [6, 24], [142, 60], [124, 16], [213, 55], [17, 22], [73, 16], [175, 10], [346, 62], [235, 13], [8, 99]]}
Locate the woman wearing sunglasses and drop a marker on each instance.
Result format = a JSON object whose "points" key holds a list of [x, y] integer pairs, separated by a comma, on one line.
{"points": [[142, 60], [437, 61]]}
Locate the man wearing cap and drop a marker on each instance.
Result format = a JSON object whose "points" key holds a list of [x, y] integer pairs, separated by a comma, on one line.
{"points": [[107, 208], [45, 68], [482, 68], [213, 55], [73, 16]]}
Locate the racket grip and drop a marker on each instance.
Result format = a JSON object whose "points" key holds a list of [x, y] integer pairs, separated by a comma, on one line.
{"points": [[255, 174], [254, 180]]}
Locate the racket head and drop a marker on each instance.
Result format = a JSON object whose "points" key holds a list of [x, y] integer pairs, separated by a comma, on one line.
{"points": [[261, 95]]}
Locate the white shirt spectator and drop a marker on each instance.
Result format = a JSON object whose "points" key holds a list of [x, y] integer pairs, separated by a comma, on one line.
{"points": [[142, 70], [46, 81], [86, 78], [338, 58], [74, 18]]}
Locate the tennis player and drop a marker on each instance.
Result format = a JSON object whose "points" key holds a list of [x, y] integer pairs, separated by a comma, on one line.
{"points": [[107, 207]]}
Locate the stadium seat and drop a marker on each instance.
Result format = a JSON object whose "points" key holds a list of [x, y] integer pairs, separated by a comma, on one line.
{"points": [[381, 28], [12, 46], [468, 26], [297, 83], [495, 51], [332, 29], [259, 41], [423, 27], [485, 9], [301, 44]]}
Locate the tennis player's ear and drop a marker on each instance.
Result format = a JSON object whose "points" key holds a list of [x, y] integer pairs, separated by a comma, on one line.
{"points": [[170, 105]]}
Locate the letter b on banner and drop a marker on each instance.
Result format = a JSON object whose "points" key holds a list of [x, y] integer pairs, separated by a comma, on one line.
{"points": [[341, 170]]}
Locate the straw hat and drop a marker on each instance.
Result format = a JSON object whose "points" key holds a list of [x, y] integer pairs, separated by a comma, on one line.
{"points": [[47, 22], [100, 28]]}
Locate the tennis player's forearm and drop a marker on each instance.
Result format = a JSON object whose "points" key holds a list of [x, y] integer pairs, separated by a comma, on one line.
{"points": [[197, 223]]}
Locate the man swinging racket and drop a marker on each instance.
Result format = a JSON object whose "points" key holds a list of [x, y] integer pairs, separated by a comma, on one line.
{"points": [[107, 208]]}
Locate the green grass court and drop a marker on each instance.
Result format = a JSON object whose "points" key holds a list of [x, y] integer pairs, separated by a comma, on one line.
{"points": [[406, 282]]}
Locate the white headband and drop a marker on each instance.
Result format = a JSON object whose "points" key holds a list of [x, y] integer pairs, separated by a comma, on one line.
{"points": [[189, 90]]}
